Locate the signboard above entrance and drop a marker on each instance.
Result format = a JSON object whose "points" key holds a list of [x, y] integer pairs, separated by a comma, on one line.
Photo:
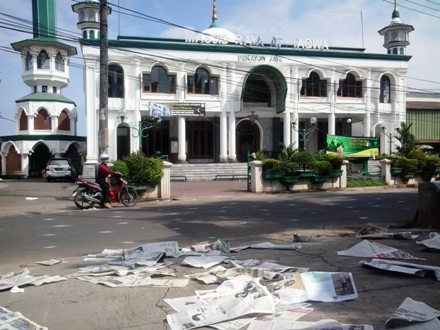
{"points": [[352, 146], [177, 109]]}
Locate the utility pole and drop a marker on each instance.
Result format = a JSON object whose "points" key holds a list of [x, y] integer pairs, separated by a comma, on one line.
{"points": [[103, 77]]}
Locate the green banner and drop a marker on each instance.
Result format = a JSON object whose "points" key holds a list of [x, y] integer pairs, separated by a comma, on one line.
{"points": [[352, 146]]}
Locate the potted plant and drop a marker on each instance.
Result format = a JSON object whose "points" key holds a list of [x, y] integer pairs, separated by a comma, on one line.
{"points": [[272, 169], [322, 169], [409, 168], [431, 168], [396, 168], [290, 170], [305, 162], [336, 161], [144, 170]]}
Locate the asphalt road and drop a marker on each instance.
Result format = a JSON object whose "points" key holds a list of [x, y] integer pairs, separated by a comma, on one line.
{"points": [[50, 227]]}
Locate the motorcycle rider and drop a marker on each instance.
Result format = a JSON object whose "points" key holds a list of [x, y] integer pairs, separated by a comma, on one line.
{"points": [[103, 173]]}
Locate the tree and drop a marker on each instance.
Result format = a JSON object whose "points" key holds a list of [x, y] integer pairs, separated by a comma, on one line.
{"points": [[408, 141]]}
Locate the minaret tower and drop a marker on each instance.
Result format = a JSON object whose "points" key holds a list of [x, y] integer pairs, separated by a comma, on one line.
{"points": [[396, 35], [88, 18], [45, 69]]}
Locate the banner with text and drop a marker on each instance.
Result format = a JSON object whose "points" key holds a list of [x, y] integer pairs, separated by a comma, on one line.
{"points": [[353, 146], [177, 109]]}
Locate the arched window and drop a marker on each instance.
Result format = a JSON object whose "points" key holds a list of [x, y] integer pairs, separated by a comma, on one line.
{"points": [[394, 50], [385, 90], [159, 81], [402, 51], [92, 34], [314, 86], [43, 61], [115, 81], [59, 62], [29, 64], [23, 121], [42, 120], [349, 87], [64, 121], [84, 34], [202, 83]]}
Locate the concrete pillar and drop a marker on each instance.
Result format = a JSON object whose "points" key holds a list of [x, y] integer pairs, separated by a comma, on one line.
{"points": [[165, 183], [232, 140], [385, 169], [343, 178], [181, 157], [256, 176]]}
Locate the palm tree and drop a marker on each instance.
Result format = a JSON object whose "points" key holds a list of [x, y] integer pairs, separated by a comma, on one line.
{"points": [[408, 141], [287, 152]]}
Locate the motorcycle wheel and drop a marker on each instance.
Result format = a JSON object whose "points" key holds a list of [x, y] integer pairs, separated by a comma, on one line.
{"points": [[80, 201], [129, 197]]}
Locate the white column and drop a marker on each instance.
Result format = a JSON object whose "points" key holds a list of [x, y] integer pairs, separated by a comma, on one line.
{"points": [[31, 122], [332, 115], [54, 124], [232, 132], [367, 117], [91, 74], [223, 136], [295, 117], [181, 157]]}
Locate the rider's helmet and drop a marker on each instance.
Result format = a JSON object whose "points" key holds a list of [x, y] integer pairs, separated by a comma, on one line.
{"points": [[103, 157]]}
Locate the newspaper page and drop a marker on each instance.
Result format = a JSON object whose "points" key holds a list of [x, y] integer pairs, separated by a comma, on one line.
{"points": [[432, 243], [253, 299], [373, 231], [402, 267], [16, 321], [412, 315], [300, 325], [315, 286], [370, 249], [21, 278], [203, 261], [268, 245]]}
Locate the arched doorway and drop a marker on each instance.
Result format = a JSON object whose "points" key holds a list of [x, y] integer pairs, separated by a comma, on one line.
{"points": [[38, 160], [248, 139], [73, 154]]}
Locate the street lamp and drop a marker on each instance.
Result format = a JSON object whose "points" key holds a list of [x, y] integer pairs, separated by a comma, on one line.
{"points": [[141, 131], [306, 132]]}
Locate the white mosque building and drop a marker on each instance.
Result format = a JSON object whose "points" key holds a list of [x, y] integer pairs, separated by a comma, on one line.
{"points": [[218, 95]]}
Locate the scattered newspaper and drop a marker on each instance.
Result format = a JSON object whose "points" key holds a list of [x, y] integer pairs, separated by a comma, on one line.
{"points": [[50, 262], [414, 315], [22, 278], [402, 267], [432, 243], [300, 325], [373, 231], [16, 321], [253, 299], [314, 286], [367, 249], [267, 245], [203, 261]]}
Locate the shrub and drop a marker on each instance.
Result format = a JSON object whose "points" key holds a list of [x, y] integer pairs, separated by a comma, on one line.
{"points": [[322, 167], [121, 167], [420, 156], [334, 159], [259, 155], [143, 170], [408, 166], [304, 159], [427, 172], [271, 165], [395, 160], [287, 152], [289, 168]]}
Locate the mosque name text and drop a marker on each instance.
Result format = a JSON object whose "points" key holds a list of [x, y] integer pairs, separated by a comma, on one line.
{"points": [[258, 58], [257, 41]]}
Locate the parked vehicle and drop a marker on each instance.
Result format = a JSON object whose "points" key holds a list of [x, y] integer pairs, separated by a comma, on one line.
{"points": [[60, 168], [89, 193]]}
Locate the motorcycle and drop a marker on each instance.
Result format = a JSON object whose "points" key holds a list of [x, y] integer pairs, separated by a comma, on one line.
{"points": [[90, 193]]}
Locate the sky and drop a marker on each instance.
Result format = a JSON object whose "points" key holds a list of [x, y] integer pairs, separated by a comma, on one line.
{"points": [[343, 23]]}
